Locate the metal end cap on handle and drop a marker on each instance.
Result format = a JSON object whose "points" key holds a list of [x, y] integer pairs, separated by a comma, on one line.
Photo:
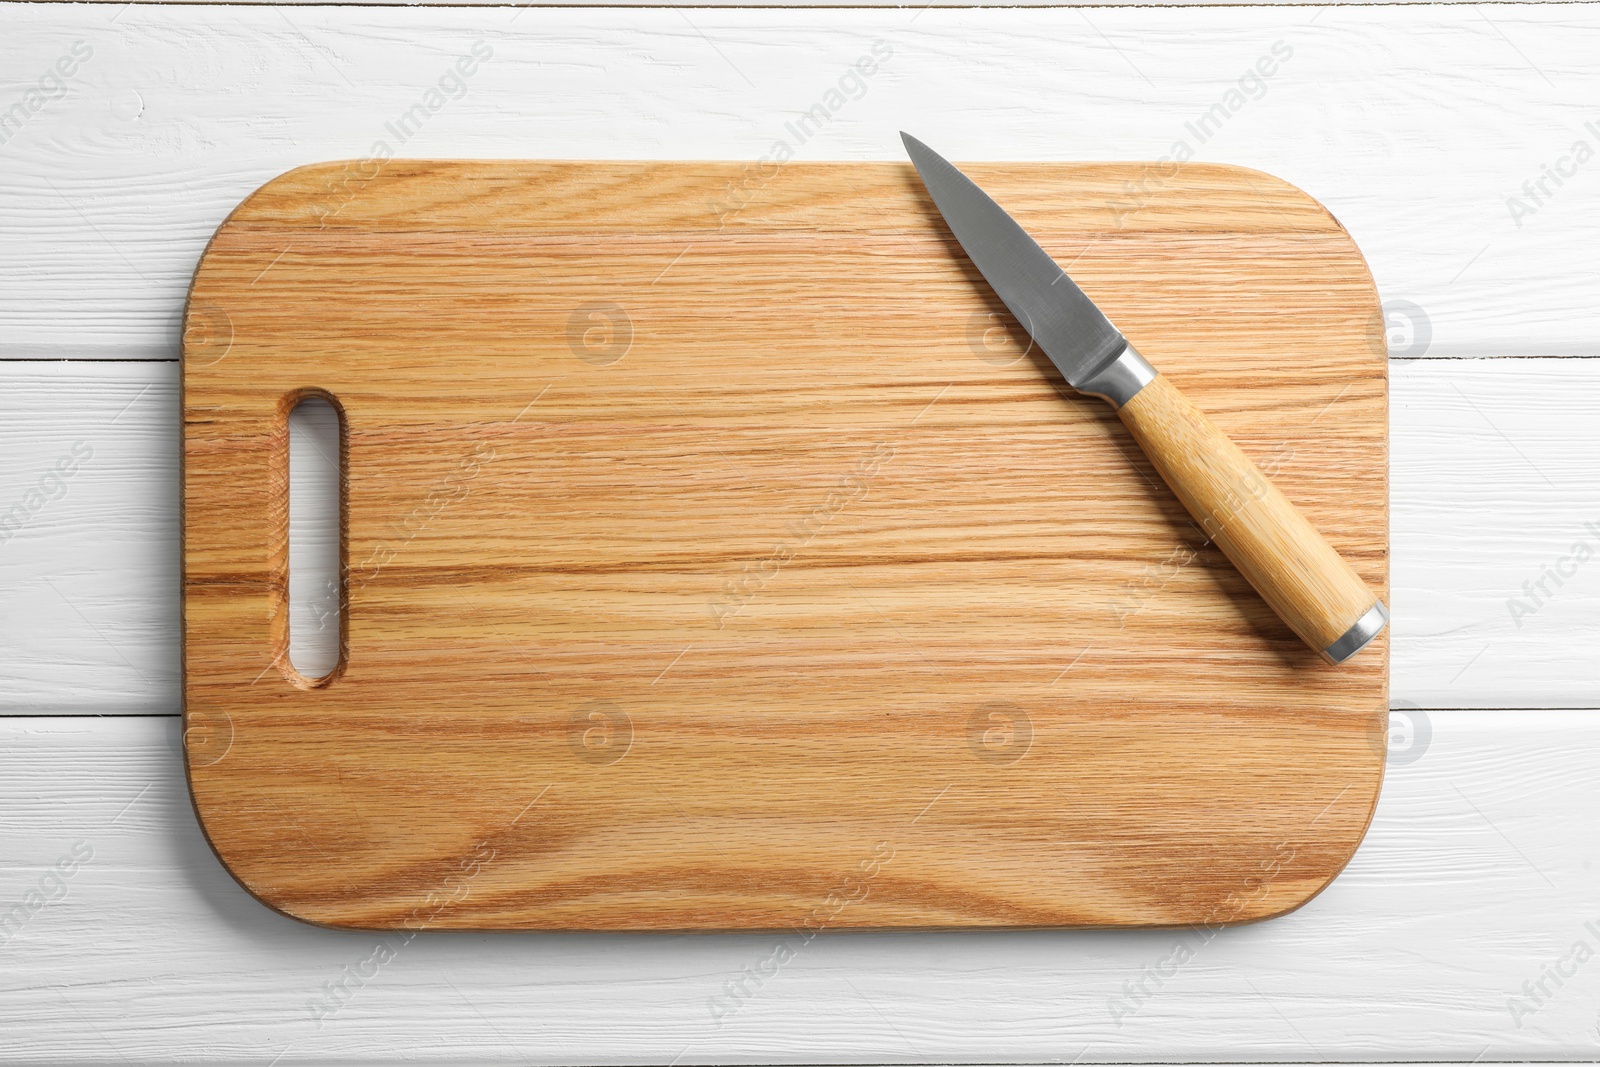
{"points": [[1358, 636]]}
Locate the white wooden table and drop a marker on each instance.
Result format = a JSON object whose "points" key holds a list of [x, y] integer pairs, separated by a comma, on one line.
{"points": [[1454, 934]]}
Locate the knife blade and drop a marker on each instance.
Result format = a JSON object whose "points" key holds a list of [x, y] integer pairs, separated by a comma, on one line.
{"points": [[1288, 561]]}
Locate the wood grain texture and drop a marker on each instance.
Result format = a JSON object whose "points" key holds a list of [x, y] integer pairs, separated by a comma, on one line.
{"points": [[156, 955], [115, 188], [1278, 551], [707, 569]]}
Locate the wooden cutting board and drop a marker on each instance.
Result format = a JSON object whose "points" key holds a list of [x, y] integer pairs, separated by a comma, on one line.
{"points": [[719, 556]]}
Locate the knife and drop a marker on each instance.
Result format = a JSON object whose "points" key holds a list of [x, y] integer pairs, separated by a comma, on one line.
{"points": [[1279, 552]]}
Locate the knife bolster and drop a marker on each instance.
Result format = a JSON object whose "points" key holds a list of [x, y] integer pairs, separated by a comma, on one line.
{"points": [[1288, 561], [1120, 380]]}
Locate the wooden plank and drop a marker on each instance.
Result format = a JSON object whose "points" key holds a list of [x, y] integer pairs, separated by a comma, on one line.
{"points": [[1472, 520], [1489, 494], [155, 955], [583, 402], [89, 537], [117, 184]]}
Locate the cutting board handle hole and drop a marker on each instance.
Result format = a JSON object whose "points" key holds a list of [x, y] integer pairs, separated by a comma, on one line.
{"points": [[316, 520]]}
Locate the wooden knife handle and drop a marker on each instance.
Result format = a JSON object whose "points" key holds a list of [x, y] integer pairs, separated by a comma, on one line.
{"points": [[1288, 561]]}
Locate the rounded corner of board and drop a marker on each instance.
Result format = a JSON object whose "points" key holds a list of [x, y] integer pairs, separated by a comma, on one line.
{"points": [[300, 176], [301, 186], [1282, 907], [258, 891], [1255, 179], [1312, 885], [1262, 181]]}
